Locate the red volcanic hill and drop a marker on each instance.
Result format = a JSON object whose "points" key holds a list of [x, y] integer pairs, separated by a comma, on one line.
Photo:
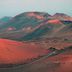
{"points": [[12, 52]]}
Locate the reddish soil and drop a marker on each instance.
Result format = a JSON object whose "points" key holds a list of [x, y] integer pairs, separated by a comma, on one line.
{"points": [[16, 52]]}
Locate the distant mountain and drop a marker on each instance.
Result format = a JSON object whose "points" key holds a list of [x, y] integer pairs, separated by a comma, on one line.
{"points": [[4, 20], [61, 16], [27, 19], [36, 25]]}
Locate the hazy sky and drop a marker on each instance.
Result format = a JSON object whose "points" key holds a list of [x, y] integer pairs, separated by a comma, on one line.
{"points": [[14, 7]]}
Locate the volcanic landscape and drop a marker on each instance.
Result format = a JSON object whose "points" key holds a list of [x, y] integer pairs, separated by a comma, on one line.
{"points": [[36, 42]]}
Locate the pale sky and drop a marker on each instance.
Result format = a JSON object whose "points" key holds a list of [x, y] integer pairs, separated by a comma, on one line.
{"points": [[14, 7]]}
